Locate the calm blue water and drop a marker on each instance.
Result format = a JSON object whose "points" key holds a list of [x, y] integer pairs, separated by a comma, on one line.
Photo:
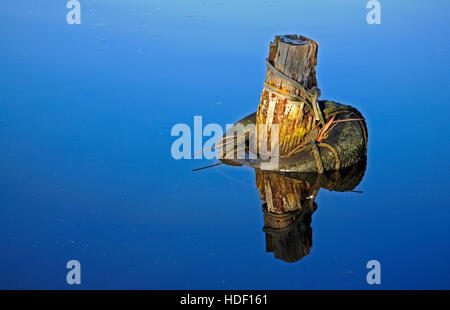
{"points": [[86, 171]]}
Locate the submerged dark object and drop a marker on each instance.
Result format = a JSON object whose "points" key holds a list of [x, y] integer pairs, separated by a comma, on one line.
{"points": [[313, 135]]}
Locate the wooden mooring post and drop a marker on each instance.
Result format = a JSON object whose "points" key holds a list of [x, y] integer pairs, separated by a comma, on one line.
{"points": [[308, 137], [289, 97]]}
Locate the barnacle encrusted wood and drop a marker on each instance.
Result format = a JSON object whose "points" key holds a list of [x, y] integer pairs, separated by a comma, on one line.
{"points": [[290, 57]]}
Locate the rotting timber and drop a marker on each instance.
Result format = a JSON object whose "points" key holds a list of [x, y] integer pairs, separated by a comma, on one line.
{"points": [[313, 135]]}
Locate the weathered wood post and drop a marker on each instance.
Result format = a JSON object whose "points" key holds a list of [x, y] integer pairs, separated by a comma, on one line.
{"points": [[298, 133], [290, 93]]}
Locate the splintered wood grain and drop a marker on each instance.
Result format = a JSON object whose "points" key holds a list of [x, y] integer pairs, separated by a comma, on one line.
{"points": [[296, 57]]}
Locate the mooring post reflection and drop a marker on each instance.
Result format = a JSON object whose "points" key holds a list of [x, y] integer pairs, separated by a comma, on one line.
{"points": [[292, 240], [289, 203]]}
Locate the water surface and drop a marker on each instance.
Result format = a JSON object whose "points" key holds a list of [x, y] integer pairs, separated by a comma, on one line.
{"points": [[86, 171]]}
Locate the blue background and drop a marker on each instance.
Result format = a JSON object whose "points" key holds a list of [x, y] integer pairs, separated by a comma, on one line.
{"points": [[86, 171]]}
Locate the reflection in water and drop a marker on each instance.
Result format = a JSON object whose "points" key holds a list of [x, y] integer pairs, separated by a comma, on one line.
{"points": [[289, 235], [289, 202]]}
